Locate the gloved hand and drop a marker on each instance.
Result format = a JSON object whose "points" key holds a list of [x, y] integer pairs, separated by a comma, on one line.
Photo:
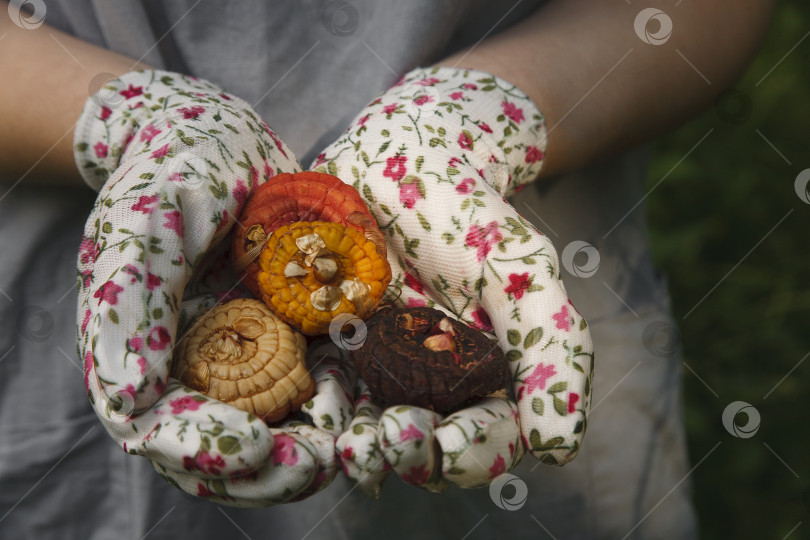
{"points": [[433, 157], [174, 159]]}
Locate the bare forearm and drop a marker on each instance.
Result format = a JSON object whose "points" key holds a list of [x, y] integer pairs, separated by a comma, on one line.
{"points": [[43, 93], [602, 88]]}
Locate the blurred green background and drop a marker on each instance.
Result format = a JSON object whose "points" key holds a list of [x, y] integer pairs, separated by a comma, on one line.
{"points": [[729, 214]]}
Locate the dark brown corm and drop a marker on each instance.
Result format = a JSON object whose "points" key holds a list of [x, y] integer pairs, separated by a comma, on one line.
{"points": [[419, 356]]}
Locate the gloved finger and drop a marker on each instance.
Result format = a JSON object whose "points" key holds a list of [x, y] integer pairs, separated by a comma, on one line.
{"points": [[480, 442], [358, 448], [408, 440], [324, 444], [330, 409], [292, 468], [546, 341], [186, 431]]}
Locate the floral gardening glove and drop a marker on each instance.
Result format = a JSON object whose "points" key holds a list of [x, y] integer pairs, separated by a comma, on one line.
{"points": [[174, 158], [433, 157]]}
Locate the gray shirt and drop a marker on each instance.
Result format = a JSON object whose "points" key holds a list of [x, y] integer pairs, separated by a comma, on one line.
{"points": [[309, 67]]}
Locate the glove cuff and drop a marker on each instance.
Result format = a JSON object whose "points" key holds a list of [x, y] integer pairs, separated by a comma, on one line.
{"points": [[106, 125], [128, 112], [502, 132]]}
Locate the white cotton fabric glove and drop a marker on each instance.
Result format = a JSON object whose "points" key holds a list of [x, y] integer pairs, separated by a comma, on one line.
{"points": [[358, 448], [174, 159], [433, 157]]}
